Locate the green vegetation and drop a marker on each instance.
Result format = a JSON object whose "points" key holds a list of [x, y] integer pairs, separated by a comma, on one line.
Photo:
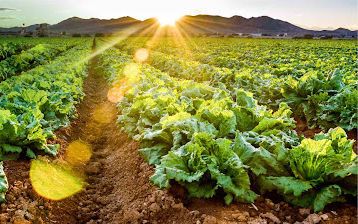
{"points": [[208, 136], [39, 101], [215, 116], [37, 55], [8, 49], [317, 78]]}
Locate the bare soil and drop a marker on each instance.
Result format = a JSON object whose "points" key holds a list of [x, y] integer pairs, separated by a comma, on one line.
{"points": [[119, 190]]}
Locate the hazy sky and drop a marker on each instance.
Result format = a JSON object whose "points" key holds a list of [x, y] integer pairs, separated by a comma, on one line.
{"points": [[306, 13]]}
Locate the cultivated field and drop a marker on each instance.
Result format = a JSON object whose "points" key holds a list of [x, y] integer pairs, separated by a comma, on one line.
{"points": [[168, 130]]}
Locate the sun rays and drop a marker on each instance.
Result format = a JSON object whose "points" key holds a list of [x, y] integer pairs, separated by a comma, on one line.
{"points": [[167, 20], [178, 28], [156, 31]]}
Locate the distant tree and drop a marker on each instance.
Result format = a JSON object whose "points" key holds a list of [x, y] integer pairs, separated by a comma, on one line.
{"points": [[29, 34], [43, 35], [308, 36], [86, 35], [76, 35], [99, 35]]}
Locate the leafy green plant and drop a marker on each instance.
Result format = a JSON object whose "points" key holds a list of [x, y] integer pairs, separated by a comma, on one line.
{"points": [[324, 168], [3, 183], [325, 102], [38, 102], [210, 139]]}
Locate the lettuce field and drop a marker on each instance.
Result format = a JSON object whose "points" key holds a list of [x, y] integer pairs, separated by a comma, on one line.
{"points": [[167, 130]]}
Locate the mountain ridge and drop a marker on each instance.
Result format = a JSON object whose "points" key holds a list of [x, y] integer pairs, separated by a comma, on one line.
{"points": [[198, 24]]}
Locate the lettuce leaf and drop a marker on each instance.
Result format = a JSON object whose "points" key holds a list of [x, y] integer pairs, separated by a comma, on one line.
{"points": [[3, 183], [210, 164]]}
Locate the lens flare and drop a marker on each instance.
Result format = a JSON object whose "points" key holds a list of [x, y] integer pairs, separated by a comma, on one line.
{"points": [[78, 152], [93, 131], [141, 55], [131, 71], [52, 181], [122, 85], [115, 94], [104, 113]]}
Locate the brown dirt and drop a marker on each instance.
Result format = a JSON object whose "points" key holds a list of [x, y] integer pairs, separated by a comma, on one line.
{"points": [[354, 135], [119, 191], [302, 129]]}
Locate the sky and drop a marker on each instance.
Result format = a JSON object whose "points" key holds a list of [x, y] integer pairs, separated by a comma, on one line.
{"points": [[313, 14]]}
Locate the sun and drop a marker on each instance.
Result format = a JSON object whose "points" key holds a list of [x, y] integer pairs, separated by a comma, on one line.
{"points": [[166, 20]]}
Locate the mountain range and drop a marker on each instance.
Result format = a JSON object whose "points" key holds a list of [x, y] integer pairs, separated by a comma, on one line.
{"points": [[192, 25]]}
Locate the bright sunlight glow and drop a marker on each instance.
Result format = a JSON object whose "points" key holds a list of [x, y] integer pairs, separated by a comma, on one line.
{"points": [[167, 20]]}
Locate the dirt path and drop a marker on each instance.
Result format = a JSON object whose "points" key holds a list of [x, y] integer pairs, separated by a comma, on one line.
{"points": [[118, 188]]}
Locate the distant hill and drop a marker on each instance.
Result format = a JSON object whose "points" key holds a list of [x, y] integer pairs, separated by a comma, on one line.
{"points": [[93, 25], [199, 24], [238, 24]]}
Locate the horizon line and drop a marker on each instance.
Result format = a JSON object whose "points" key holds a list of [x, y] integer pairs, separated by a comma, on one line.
{"points": [[312, 28]]}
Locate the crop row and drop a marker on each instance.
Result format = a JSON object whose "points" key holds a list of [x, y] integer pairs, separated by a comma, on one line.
{"points": [[37, 102], [209, 140], [13, 46], [277, 57], [38, 55], [323, 100], [8, 49]]}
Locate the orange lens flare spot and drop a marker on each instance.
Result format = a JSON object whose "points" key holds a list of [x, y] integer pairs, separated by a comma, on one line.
{"points": [[104, 113], [116, 93], [121, 86], [141, 55], [130, 72], [78, 152], [52, 181]]}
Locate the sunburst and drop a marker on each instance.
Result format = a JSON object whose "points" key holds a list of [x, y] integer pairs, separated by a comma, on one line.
{"points": [[167, 20]]}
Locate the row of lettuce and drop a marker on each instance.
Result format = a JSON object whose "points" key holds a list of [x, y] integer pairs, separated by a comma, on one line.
{"points": [[310, 82], [13, 46], [8, 49], [39, 54], [209, 140], [272, 56], [37, 102]]}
